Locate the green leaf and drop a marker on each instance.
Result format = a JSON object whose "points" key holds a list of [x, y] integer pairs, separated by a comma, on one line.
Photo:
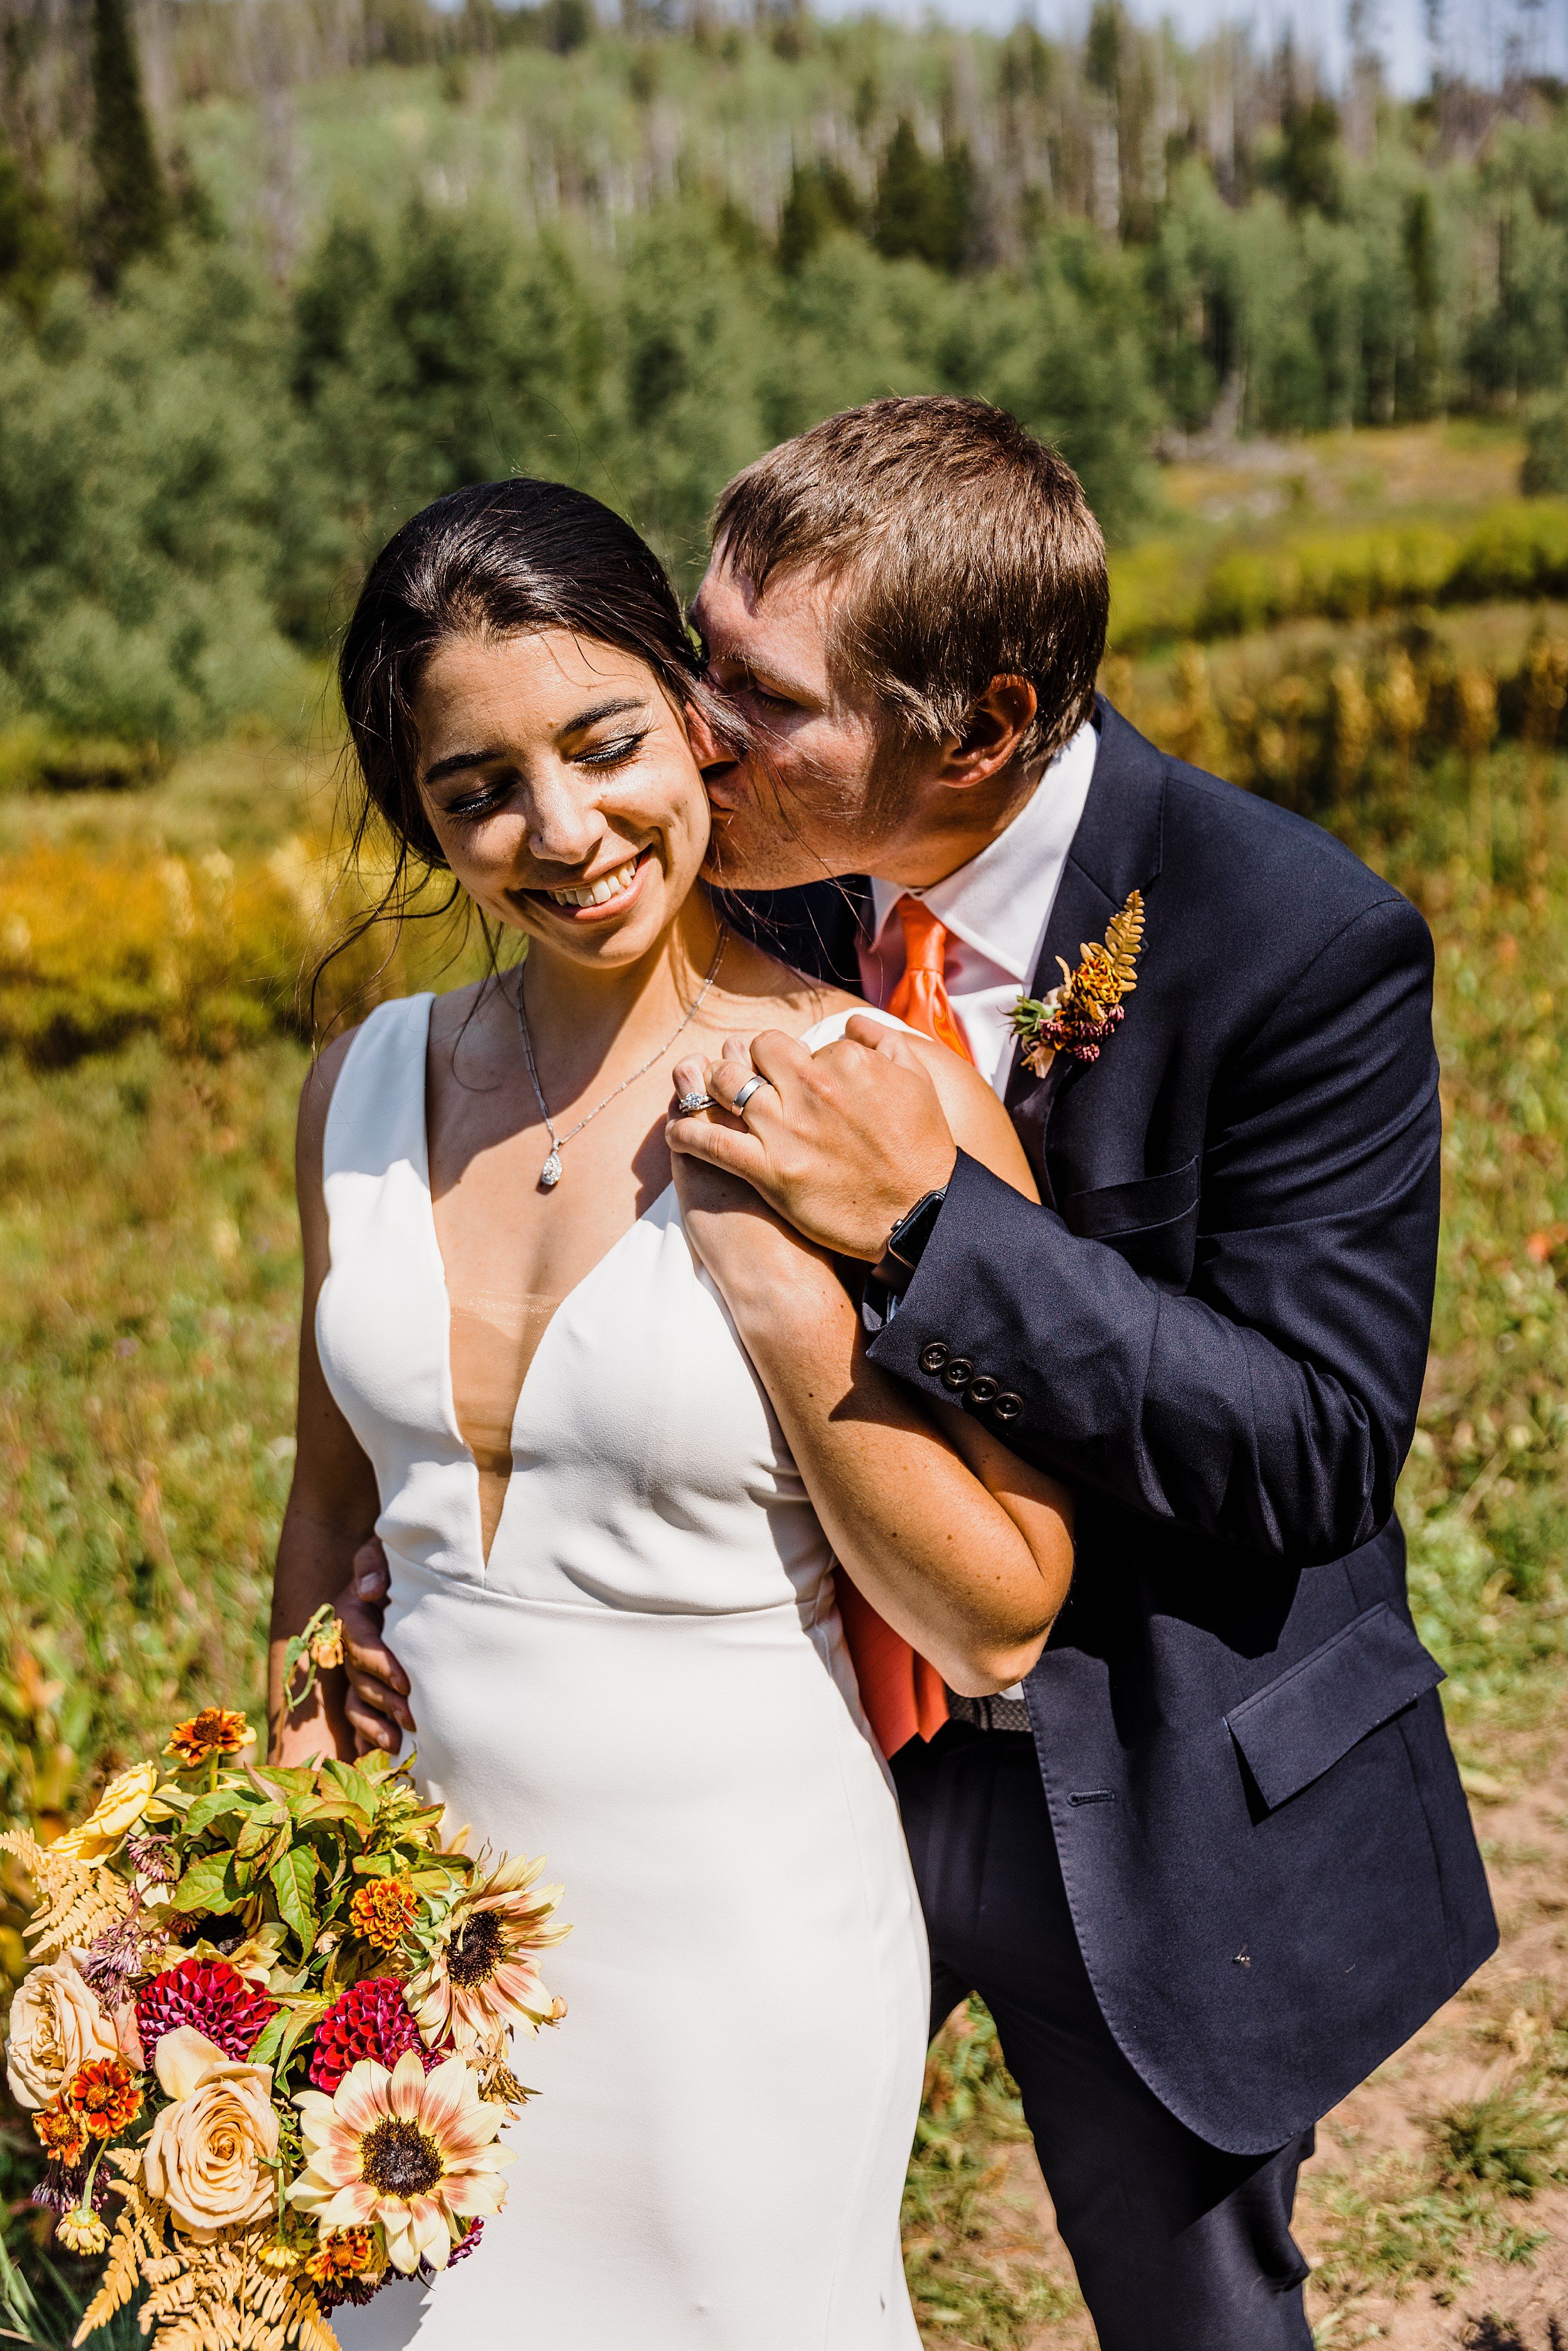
{"points": [[271, 2039], [296, 1780], [360, 1790], [309, 2013], [293, 1874], [217, 1806], [261, 1829], [208, 1884], [282, 2032]]}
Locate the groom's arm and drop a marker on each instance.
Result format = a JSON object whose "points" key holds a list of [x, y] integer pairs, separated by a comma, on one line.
{"points": [[1272, 1404]]}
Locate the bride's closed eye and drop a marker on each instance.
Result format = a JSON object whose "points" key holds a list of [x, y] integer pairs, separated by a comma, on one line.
{"points": [[614, 753]]}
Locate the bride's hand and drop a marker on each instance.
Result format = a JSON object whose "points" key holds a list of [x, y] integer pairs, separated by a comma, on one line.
{"points": [[744, 1245]]}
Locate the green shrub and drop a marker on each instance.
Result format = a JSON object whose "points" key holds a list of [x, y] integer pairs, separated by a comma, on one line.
{"points": [[1545, 468]]}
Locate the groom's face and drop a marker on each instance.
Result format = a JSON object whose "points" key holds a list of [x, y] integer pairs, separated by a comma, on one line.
{"points": [[804, 801]]}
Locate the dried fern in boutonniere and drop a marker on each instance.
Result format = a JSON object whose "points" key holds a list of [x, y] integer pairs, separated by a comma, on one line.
{"points": [[1077, 1018]]}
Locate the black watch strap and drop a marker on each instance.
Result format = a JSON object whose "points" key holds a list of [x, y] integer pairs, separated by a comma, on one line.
{"points": [[905, 1244]]}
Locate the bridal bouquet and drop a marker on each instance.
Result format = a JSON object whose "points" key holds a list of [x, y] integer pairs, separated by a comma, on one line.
{"points": [[268, 2016]]}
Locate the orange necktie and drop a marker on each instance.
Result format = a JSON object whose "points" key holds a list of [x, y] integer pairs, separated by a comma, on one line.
{"points": [[903, 1697], [921, 996]]}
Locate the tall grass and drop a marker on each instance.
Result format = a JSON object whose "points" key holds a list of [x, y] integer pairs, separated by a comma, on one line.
{"points": [[148, 1278]]}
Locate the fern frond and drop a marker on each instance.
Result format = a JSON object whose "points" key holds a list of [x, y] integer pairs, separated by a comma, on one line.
{"points": [[80, 1915], [77, 1900], [135, 2249], [223, 2297], [1124, 938]]}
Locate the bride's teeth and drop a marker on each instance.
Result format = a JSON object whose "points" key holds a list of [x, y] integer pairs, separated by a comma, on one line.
{"points": [[608, 886]]}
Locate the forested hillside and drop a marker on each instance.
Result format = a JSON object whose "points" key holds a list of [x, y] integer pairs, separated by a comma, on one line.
{"points": [[277, 271]]}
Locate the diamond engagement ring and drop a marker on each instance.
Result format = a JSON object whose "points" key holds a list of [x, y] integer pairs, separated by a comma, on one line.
{"points": [[747, 1091], [689, 1104]]}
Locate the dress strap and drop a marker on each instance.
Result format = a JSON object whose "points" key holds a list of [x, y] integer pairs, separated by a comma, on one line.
{"points": [[376, 1117]]}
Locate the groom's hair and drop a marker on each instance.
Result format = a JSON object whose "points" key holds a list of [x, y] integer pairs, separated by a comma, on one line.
{"points": [[961, 549]]}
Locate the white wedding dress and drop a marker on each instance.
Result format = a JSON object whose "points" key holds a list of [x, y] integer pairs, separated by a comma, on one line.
{"points": [[647, 1682]]}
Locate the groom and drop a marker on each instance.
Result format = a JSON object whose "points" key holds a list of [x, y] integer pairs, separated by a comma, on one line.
{"points": [[1217, 1865], [1212, 1864]]}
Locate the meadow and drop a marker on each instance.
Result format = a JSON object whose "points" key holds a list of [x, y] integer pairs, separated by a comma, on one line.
{"points": [[154, 1031], [273, 273]]}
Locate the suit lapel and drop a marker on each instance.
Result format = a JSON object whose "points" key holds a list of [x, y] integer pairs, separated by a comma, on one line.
{"points": [[1116, 848]]}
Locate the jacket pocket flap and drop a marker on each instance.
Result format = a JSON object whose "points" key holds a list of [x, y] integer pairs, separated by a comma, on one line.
{"points": [[1132, 1208], [1293, 1731]]}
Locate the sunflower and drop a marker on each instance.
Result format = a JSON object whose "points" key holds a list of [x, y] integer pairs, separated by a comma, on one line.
{"points": [[482, 1978], [414, 2152]]}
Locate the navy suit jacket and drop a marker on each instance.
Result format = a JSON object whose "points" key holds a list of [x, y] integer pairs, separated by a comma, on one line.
{"points": [[1215, 1327]]}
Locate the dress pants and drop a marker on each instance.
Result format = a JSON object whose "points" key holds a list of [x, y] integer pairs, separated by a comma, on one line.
{"points": [[1177, 2245]]}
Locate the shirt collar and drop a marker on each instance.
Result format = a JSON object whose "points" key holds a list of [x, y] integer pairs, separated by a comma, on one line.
{"points": [[999, 903]]}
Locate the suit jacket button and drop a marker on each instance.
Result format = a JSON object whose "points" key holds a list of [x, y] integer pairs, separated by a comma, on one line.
{"points": [[933, 1357], [983, 1389], [1007, 1406], [955, 1371]]}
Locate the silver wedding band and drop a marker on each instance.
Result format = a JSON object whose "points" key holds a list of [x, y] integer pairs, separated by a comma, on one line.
{"points": [[689, 1105], [747, 1091]]}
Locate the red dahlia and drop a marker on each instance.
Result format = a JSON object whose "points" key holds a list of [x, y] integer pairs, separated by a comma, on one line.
{"points": [[209, 1994], [371, 2020]]}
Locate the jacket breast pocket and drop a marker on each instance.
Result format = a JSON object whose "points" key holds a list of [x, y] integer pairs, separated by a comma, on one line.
{"points": [[1298, 1728], [1152, 1222]]}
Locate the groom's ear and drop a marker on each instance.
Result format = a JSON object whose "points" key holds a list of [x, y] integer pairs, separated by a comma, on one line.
{"points": [[993, 733]]}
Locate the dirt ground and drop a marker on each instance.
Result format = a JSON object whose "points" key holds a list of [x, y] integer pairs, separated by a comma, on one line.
{"points": [[1483, 2039]]}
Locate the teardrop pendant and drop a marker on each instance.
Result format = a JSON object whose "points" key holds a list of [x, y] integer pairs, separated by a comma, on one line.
{"points": [[550, 1174]]}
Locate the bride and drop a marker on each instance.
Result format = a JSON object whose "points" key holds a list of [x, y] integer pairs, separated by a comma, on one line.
{"points": [[613, 1425]]}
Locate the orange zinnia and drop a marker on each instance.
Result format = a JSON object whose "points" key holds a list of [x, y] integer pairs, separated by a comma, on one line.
{"points": [[383, 1911], [104, 2093], [346, 2253], [216, 1731], [61, 2135]]}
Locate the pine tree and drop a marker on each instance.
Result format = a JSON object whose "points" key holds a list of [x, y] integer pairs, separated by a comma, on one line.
{"points": [[132, 211]]}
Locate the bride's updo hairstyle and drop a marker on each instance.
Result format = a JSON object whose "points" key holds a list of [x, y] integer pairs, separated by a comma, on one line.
{"points": [[498, 560]]}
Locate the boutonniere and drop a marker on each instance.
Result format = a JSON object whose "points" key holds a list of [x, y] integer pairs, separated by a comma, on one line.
{"points": [[1078, 1016]]}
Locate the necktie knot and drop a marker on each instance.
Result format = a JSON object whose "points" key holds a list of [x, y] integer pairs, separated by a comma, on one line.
{"points": [[925, 936]]}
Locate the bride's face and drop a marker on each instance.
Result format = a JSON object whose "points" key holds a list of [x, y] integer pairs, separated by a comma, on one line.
{"points": [[562, 788]]}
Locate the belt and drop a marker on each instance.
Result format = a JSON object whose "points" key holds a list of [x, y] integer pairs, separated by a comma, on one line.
{"points": [[989, 1713]]}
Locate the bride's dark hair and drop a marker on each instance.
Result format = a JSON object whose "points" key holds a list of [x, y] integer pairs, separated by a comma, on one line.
{"points": [[497, 560]]}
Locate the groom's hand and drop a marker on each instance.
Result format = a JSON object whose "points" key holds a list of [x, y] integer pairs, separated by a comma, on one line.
{"points": [[378, 1687], [842, 1142]]}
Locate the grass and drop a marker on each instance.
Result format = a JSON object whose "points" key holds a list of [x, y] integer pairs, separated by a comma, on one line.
{"points": [[148, 1278], [963, 2293]]}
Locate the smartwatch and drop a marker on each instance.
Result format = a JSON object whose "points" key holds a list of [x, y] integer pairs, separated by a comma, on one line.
{"points": [[894, 1270]]}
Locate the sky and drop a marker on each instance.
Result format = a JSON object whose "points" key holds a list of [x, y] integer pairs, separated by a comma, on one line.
{"points": [[1476, 29]]}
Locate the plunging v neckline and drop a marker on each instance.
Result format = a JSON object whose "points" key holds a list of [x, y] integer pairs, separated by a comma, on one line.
{"points": [[450, 1394]]}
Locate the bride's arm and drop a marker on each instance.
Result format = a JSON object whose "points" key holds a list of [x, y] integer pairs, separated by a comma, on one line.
{"points": [[963, 1548], [333, 1503]]}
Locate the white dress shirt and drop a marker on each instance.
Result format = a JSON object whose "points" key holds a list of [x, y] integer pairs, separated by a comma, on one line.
{"points": [[995, 909]]}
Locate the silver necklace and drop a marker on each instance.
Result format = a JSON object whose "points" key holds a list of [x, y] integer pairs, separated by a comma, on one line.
{"points": [[550, 1174]]}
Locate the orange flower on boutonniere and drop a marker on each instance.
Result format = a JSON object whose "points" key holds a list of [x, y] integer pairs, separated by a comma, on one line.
{"points": [[1077, 1018]]}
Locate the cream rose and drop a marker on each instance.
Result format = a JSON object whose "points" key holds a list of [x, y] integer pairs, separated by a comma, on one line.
{"points": [[207, 2154], [117, 1810], [56, 2025]]}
